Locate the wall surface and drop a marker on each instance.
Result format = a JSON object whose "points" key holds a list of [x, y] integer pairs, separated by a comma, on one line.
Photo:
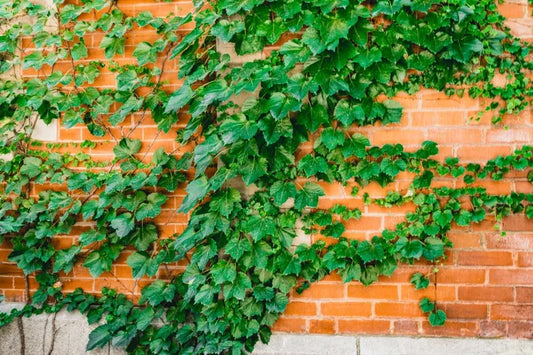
{"points": [[485, 285]]}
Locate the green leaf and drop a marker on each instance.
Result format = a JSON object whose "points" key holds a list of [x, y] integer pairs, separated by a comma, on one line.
{"points": [[127, 148], [443, 218], [144, 236], [355, 146], [260, 227], [420, 281], [237, 289], [112, 46], [348, 113], [368, 56], [64, 259], [179, 98], [437, 318], [99, 337], [311, 165], [145, 53], [31, 167], [332, 138], [196, 191], [152, 207], [79, 51], [141, 264], [91, 236], [426, 305], [308, 196], [280, 105], [224, 201], [282, 191], [123, 224], [434, 248], [223, 272]]}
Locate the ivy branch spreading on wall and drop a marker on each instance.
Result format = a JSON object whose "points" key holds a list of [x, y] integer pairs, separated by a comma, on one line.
{"points": [[328, 79]]}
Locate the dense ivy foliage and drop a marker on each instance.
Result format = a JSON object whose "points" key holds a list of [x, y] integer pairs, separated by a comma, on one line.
{"points": [[338, 62]]}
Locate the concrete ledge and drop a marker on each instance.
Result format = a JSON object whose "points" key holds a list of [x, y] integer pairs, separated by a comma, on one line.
{"points": [[72, 332]]}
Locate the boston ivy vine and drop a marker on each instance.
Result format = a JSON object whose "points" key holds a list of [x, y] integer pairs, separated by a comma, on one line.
{"points": [[338, 67]]}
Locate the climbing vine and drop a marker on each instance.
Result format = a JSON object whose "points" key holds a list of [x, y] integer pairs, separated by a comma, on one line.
{"points": [[338, 65]]}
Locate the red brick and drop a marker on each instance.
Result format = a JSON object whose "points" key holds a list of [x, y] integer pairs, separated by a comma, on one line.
{"points": [[489, 258], [485, 293], [511, 277], [444, 293], [492, 329], [511, 312], [451, 328], [322, 326], [370, 326], [513, 241], [301, 309], [397, 309], [520, 330], [524, 294], [458, 311], [461, 275], [321, 290], [286, 324], [346, 309], [374, 291], [404, 327]]}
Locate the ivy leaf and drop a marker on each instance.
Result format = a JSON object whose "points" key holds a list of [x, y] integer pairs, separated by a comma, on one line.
{"points": [[64, 259], [237, 289], [31, 167], [237, 127], [394, 111], [144, 236], [434, 248], [419, 281], [145, 53], [79, 51], [332, 138], [308, 196], [179, 99], [426, 305], [141, 264], [280, 105], [152, 207], [91, 236], [224, 201], [253, 170], [355, 146], [437, 318], [127, 148], [443, 218], [282, 191], [350, 272], [293, 52], [347, 113], [99, 337], [225, 30], [112, 46], [463, 218], [272, 29], [196, 191], [311, 165], [223, 272], [367, 57], [236, 247], [123, 224], [260, 227]]}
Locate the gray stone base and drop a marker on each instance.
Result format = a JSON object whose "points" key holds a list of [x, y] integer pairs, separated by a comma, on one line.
{"points": [[72, 332]]}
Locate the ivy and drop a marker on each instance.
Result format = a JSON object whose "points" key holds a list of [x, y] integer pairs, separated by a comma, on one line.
{"points": [[338, 67]]}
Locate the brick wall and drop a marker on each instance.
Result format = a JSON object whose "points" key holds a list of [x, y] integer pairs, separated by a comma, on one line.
{"points": [[486, 284]]}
